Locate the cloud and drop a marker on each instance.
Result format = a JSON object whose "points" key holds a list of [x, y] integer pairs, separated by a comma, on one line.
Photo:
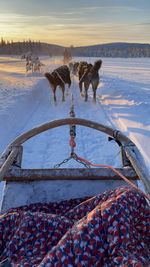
{"points": [[143, 24], [68, 29]]}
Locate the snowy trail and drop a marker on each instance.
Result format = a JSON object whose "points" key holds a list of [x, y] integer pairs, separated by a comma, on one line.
{"points": [[123, 102], [52, 146]]}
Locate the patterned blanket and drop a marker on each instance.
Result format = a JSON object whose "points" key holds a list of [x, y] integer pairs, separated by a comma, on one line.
{"points": [[108, 230]]}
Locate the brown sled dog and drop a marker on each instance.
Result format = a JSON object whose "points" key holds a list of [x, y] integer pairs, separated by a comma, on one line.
{"points": [[88, 74], [59, 77]]}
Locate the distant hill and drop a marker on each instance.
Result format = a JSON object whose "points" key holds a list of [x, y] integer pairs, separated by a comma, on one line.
{"points": [[102, 50], [114, 50]]}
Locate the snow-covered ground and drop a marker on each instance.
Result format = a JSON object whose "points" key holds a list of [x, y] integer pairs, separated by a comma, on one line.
{"points": [[123, 102]]}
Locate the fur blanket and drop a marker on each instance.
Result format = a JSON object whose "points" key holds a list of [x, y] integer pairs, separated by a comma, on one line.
{"points": [[111, 229]]}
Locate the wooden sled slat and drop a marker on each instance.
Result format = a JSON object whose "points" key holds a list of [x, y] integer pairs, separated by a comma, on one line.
{"points": [[16, 174]]}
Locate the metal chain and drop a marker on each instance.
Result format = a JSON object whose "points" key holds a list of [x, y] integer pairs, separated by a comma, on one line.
{"points": [[63, 162], [72, 127], [72, 156], [72, 140], [75, 157]]}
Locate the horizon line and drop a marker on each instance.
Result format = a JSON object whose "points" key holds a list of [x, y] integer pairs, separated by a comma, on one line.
{"points": [[72, 46]]}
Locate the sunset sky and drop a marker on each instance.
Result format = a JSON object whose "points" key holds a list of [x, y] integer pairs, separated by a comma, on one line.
{"points": [[76, 22]]}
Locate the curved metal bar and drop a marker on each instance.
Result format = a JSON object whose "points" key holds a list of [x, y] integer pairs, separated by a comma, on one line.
{"points": [[68, 121]]}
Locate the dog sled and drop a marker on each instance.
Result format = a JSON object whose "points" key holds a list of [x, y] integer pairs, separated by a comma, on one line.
{"points": [[74, 217]]}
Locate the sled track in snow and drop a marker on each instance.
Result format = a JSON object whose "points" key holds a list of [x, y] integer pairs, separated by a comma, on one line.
{"points": [[52, 147]]}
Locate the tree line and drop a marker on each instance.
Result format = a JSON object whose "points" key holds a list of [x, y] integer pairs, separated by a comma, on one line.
{"points": [[114, 50], [106, 50]]}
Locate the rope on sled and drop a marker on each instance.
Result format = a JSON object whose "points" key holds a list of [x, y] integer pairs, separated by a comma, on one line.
{"points": [[115, 171]]}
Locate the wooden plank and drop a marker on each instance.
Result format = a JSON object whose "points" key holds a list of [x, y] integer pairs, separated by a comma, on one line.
{"points": [[18, 194], [68, 174]]}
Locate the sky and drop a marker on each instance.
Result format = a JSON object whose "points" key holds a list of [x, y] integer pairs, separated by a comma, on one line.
{"points": [[76, 22]]}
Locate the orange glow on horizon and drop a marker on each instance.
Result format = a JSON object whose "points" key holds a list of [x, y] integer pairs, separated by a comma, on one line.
{"points": [[20, 27]]}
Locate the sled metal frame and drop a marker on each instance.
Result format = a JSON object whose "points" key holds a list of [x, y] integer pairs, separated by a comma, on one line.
{"points": [[133, 163]]}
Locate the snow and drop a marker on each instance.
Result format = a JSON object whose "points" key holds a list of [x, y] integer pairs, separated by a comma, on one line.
{"points": [[123, 102], [127, 100]]}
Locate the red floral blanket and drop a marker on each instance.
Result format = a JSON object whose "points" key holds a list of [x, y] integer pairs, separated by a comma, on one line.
{"points": [[111, 229]]}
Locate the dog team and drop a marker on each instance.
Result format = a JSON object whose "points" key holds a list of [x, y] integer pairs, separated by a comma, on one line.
{"points": [[88, 75]]}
